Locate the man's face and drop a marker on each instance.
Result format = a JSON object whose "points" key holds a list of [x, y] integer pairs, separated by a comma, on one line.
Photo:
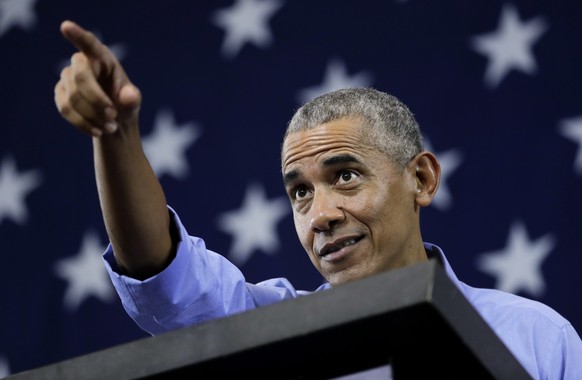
{"points": [[354, 210]]}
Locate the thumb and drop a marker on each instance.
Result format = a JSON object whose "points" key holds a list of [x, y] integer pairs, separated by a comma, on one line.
{"points": [[129, 102]]}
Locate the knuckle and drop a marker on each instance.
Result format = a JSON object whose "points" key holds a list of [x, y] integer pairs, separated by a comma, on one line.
{"points": [[77, 58], [65, 72], [80, 77], [64, 108], [74, 98]]}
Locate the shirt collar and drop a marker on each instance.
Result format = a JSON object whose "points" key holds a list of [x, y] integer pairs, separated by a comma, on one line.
{"points": [[434, 251]]}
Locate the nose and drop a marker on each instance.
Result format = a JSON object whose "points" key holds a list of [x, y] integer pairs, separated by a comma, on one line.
{"points": [[325, 213]]}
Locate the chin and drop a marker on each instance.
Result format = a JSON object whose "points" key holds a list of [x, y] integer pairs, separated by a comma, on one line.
{"points": [[346, 276]]}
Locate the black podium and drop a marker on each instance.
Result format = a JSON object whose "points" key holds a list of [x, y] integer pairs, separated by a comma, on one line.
{"points": [[413, 321]]}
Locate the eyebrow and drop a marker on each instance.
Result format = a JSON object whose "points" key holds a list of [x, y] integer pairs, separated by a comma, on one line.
{"points": [[330, 161], [340, 159]]}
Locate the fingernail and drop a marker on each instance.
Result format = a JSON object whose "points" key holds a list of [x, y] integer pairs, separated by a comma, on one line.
{"points": [[110, 127], [96, 132]]}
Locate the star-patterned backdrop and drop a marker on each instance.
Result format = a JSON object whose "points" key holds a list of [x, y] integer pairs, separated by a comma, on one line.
{"points": [[495, 85]]}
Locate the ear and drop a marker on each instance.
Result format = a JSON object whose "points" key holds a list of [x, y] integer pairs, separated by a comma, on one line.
{"points": [[428, 176]]}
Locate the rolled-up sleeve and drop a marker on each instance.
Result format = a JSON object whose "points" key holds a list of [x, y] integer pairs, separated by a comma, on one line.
{"points": [[198, 285]]}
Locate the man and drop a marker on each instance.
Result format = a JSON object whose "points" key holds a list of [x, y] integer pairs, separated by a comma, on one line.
{"points": [[356, 175]]}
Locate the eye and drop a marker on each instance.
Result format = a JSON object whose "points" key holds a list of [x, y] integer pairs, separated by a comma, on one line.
{"points": [[300, 193], [346, 176]]}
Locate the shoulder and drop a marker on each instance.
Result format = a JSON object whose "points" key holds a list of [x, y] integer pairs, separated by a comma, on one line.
{"points": [[500, 308], [529, 328]]}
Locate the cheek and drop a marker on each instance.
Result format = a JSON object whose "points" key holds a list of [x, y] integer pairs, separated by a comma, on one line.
{"points": [[381, 210], [305, 236], [371, 206], [303, 231], [394, 217]]}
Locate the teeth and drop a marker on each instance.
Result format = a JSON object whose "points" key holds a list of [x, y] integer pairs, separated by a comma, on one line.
{"points": [[349, 242], [341, 245]]}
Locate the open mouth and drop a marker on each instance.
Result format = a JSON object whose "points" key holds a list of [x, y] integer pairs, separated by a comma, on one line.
{"points": [[336, 246]]}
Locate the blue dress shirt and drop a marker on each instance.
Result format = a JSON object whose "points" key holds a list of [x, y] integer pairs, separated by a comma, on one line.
{"points": [[200, 285]]}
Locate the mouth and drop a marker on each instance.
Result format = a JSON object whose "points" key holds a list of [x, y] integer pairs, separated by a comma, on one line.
{"points": [[332, 250]]}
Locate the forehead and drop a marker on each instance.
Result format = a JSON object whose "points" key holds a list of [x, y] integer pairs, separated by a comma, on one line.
{"points": [[342, 136]]}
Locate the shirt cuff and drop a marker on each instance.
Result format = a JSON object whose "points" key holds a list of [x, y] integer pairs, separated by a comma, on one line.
{"points": [[161, 290]]}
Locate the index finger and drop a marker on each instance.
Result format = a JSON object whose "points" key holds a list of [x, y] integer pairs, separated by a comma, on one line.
{"points": [[83, 40]]}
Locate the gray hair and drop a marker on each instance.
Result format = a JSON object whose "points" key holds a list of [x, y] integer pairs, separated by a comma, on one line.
{"points": [[391, 127]]}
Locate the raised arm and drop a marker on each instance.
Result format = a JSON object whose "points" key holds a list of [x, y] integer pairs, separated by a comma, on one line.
{"points": [[96, 96]]}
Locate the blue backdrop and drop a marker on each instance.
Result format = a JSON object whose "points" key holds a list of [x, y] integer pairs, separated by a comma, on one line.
{"points": [[495, 85]]}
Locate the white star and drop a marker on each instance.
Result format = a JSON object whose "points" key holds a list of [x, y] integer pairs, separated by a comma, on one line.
{"points": [[517, 267], [119, 50], [572, 129], [335, 78], [17, 12], [450, 161], [4, 368], [246, 21], [510, 46], [253, 226], [166, 146], [14, 187], [85, 274]]}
